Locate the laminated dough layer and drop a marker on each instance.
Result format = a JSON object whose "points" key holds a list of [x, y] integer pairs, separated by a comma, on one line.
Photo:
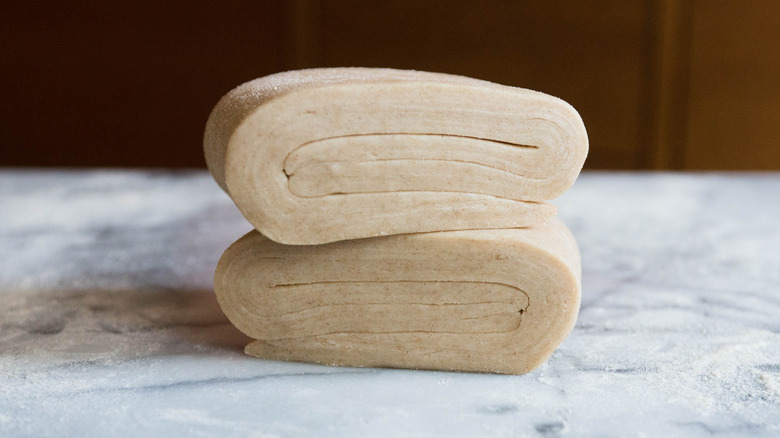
{"points": [[322, 155], [478, 300]]}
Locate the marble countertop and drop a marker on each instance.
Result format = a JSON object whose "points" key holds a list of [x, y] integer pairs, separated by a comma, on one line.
{"points": [[109, 327]]}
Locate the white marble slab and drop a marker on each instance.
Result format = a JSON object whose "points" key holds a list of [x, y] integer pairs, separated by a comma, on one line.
{"points": [[108, 326]]}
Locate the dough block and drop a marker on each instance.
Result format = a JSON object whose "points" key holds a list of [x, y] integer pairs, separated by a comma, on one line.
{"points": [[475, 300], [324, 155]]}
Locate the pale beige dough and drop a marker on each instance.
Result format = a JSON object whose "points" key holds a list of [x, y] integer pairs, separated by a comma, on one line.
{"points": [[478, 300], [324, 155]]}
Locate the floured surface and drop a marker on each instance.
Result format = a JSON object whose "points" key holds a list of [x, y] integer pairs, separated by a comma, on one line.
{"points": [[107, 326]]}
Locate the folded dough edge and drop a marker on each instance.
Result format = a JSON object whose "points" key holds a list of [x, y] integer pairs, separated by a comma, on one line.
{"points": [[322, 155], [479, 300]]}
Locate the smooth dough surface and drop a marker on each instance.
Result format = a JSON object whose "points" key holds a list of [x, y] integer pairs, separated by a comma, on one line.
{"points": [[323, 155], [479, 300]]}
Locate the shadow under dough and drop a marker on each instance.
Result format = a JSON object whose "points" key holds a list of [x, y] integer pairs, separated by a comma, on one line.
{"points": [[111, 325]]}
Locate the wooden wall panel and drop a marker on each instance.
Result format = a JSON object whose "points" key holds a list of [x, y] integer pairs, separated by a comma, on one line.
{"points": [[734, 108], [588, 53], [125, 83], [661, 84]]}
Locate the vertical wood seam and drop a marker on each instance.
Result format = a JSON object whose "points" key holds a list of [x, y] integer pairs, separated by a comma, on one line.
{"points": [[668, 82], [647, 138], [302, 35]]}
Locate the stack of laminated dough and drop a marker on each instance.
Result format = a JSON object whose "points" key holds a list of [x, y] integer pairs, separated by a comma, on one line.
{"points": [[401, 219]]}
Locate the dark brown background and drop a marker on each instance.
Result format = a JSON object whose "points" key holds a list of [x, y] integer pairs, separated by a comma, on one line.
{"points": [[660, 84]]}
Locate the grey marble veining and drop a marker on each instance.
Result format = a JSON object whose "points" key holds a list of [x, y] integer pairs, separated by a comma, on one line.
{"points": [[108, 326]]}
